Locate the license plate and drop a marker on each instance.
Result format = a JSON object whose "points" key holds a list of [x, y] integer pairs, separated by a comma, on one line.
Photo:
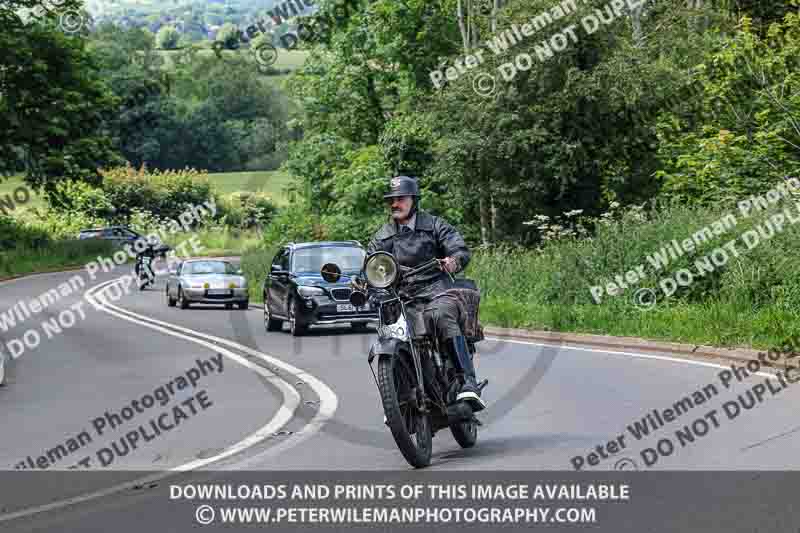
{"points": [[345, 308], [219, 292]]}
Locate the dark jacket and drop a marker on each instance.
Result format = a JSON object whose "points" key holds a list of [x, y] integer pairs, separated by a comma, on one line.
{"points": [[432, 237]]}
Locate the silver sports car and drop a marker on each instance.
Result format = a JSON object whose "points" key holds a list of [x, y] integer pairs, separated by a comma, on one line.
{"points": [[207, 281]]}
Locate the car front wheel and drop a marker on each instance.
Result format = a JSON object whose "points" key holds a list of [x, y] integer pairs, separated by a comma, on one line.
{"points": [[270, 324], [170, 300], [296, 327], [182, 301]]}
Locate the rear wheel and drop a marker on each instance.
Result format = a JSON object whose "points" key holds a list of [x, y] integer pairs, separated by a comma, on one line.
{"points": [[228, 306], [411, 429], [244, 306], [2, 369], [270, 324]]}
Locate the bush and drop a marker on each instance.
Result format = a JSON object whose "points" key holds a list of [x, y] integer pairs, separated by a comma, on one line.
{"points": [[254, 210], [70, 197], [165, 194], [14, 234], [748, 136]]}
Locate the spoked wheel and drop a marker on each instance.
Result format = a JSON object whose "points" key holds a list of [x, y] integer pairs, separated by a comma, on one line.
{"points": [[411, 429]]}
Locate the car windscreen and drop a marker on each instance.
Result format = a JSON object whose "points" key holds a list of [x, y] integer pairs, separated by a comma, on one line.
{"points": [[311, 259], [208, 267]]}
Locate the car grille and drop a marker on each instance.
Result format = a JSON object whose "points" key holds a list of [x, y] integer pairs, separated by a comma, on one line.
{"points": [[341, 294]]}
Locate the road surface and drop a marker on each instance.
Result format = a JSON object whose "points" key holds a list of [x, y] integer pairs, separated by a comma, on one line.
{"points": [[280, 403]]}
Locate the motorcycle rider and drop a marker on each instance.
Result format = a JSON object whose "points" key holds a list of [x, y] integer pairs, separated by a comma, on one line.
{"points": [[145, 257], [415, 237]]}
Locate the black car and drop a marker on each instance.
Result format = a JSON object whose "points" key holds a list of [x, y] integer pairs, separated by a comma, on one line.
{"points": [[119, 235], [295, 292]]}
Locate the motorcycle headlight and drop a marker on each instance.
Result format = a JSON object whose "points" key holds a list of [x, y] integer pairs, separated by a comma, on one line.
{"points": [[310, 291], [381, 270]]}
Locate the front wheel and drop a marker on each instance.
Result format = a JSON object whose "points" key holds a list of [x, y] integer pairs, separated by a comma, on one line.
{"points": [[296, 327], [170, 300], [270, 324], [411, 429], [183, 303], [465, 433]]}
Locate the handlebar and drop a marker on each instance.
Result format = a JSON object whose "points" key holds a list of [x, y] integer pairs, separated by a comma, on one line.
{"points": [[420, 269]]}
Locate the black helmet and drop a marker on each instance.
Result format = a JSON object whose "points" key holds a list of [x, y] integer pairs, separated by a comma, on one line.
{"points": [[402, 186]]}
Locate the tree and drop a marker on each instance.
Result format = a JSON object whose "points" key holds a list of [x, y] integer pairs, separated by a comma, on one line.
{"points": [[229, 36], [167, 38], [53, 103]]}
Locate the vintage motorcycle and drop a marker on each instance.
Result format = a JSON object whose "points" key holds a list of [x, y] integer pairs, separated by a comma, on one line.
{"points": [[418, 386]]}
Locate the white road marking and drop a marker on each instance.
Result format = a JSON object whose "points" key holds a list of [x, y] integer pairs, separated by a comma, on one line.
{"points": [[613, 352], [328, 400], [327, 406]]}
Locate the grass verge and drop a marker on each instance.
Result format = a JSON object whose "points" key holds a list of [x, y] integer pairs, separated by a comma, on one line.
{"points": [[56, 255]]}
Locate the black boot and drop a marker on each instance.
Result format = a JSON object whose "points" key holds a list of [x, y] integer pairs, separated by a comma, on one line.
{"points": [[462, 359]]}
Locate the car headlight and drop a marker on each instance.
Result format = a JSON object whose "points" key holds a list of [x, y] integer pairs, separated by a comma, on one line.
{"points": [[310, 291]]}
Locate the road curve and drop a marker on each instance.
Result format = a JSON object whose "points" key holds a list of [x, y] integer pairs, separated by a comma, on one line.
{"points": [[310, 403]]}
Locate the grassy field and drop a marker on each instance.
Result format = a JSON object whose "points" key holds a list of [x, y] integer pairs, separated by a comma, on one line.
{"points": [[287, 59], [271, 183]]}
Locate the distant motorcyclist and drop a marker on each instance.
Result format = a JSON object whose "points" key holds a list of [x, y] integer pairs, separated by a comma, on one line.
{"points": [[415, 237], [144, 260]]}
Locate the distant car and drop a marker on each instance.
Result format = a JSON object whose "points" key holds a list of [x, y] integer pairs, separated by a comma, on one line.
{"points": [[295, 292], [119, 235], [2, 367], [207, 281]]}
